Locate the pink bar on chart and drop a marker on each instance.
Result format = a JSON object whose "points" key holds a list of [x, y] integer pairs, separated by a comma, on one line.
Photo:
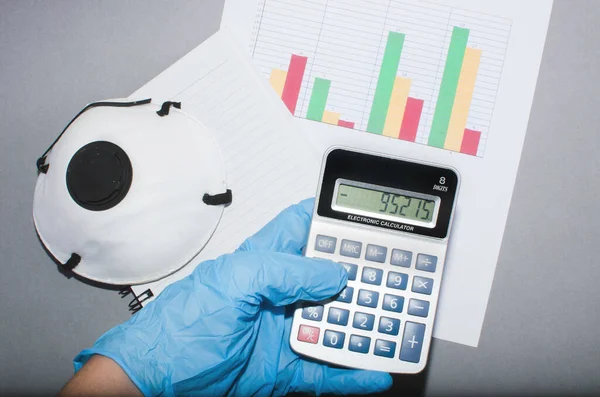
{"points": [[410, 122], [347, 124], [470, 142], [293, 81]]}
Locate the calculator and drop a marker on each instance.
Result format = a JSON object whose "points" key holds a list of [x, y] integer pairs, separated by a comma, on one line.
{"points": [[387, 221]]}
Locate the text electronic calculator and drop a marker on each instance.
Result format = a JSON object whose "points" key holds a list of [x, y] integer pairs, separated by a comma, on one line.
{"points": [[387, 220]]}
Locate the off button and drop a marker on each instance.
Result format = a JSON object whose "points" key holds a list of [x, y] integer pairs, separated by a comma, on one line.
{"points": [[325, 244]]}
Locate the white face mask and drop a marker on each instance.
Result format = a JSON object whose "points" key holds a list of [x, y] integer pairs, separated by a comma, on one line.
{"points": [[127, 196]]}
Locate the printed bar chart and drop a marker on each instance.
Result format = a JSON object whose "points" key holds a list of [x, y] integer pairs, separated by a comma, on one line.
{"points": [[445, 102], [470, 142], [410, 70], [346, 124], [318, 99], [410, 122], [293, 82], [277, 80], [385, 83], [397, 106], [331, 117], [462, 101]]}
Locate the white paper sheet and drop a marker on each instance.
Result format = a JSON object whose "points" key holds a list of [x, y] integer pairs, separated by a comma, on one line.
{"points": [[509, 35], [269, 164]]}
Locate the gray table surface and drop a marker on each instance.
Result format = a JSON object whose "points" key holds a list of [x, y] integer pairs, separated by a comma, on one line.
{"points": [[541, 333]]}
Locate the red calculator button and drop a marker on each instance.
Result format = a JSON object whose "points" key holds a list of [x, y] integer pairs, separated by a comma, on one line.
{"points": [[308, 334]]}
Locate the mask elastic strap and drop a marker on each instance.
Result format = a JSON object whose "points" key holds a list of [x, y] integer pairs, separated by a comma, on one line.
{"points": [[41, 162]]}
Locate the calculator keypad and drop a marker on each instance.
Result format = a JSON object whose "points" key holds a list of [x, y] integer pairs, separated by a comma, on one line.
{"points": [[397, 280], [359, 344], [334, 339], [313, 313], [393, 303], [346, 295], [367, 298], [351, 248], [351, 269], [383, 283], [376, 253], [388, 325], [427, 263], [371, 275], [422, 285], [338, 316], [384, 348], [401, 258], [363, 321]]}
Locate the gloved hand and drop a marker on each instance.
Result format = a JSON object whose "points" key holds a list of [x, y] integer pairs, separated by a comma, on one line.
{"points": [[224, 329]]}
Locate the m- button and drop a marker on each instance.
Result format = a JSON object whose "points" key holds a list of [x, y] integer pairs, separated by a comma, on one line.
{"points": [[351, 248], [376, 253], [325, 244]]}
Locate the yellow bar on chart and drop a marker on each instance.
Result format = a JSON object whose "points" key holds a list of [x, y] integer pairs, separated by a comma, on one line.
{"points": [[462, 101], [395, 113], [277, 80], [330, 117]]}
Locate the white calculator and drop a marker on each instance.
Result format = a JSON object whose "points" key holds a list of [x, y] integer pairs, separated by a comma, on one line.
{"points": [[387, 220]]}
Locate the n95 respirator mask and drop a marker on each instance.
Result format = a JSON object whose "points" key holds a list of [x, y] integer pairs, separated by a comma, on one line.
{"points": [[129, 192]]}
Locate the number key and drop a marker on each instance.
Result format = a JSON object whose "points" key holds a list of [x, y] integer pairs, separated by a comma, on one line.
{"points": [[351, 269], [393, 303], [372, 276], [397, 280], [363, 321], [346, 295], [338, 316], [367, 298], [334, 339], [390, 326]]}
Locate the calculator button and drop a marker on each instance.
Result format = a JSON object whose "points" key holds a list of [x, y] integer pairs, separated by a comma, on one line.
{"points": [[363, 321], [338, 316], [346, 295], [393, 303], [351, 269], [351, 248], [367, 298], [422, 285], [376, 253], [412, 342], [372, 276], [397, 280], [401, 258], [325, 244], [308, 334], [426, 263], [389, 326], [384, 348], [313, 313], [334, 339], [359, 344], [418, 307]]}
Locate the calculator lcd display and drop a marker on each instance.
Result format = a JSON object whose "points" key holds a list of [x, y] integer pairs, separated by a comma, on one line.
{"points": [[379, 202]]}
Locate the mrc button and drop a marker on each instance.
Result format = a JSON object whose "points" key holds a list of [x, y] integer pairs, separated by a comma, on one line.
{"points": [[325, 244], [351, 248]]}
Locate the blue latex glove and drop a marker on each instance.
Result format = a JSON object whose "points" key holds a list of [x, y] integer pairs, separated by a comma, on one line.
{"points": [[224, 329]]}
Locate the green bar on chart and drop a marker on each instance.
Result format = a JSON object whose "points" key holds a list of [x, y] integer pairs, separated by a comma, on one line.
{"points": [[385, 83], [445, 102], [318, 99]]}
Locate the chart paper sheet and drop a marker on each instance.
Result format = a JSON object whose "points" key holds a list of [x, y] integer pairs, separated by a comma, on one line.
{"points": [[448, 82]]}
